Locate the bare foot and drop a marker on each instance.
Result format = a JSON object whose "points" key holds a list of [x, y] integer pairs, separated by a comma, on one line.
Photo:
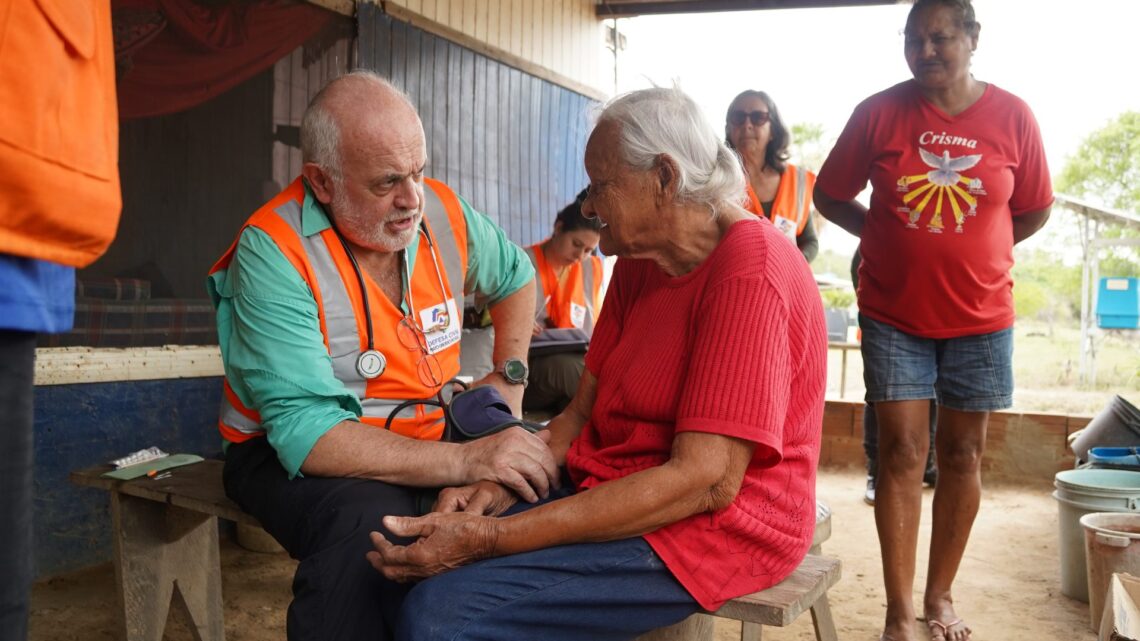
{"points": [[899, 630], [944, 624]]}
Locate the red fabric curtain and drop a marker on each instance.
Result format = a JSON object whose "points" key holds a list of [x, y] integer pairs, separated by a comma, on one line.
{"points": [[175, 54]]}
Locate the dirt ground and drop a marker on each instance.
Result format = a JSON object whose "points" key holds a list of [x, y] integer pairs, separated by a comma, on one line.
{"points": [[1008, 588]]}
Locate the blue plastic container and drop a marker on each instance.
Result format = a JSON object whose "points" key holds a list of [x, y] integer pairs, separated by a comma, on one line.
{"points": [[1118, 303], [1115, 457]]}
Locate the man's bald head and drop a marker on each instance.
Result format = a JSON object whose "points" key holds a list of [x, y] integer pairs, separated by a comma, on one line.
{"points": [[359, 106]]}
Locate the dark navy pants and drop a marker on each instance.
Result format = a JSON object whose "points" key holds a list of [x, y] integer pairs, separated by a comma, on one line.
{"points": [[586, 592], [324, 524], [17, 367], [603, 591]]}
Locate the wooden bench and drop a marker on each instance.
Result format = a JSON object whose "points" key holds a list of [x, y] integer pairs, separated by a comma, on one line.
{"points": [[778, 606], [165, 539]]}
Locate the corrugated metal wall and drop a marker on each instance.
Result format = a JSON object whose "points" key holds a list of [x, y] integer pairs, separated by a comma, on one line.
{"points": [[561, 35], [508, 142]]}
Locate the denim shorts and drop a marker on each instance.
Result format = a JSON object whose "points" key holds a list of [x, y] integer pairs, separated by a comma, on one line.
{"points": [[968, 373]]}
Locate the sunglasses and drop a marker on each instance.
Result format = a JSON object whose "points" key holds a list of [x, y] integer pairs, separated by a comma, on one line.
{"points": [[758, 118]]}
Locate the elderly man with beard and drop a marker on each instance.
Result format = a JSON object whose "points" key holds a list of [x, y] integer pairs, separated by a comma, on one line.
{"points": [[338, 301]]}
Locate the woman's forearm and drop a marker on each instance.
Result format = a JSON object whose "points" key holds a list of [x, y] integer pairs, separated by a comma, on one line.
{"points": [[704, 475], [565, 427], [848, 214], [1027, 224]]}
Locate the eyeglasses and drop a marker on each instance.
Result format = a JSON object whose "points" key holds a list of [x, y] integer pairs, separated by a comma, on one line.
{"points": [[413, 339], [758, 118]]}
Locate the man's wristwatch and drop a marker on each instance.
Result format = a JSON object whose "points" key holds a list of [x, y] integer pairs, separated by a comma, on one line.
{"points": [[513, 370]]}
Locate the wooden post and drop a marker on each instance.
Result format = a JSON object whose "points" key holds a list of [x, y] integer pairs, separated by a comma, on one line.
{"points": [[164, 552]]}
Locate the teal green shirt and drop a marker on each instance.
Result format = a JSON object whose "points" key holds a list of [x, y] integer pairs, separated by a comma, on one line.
{"points": [[270, 337]]}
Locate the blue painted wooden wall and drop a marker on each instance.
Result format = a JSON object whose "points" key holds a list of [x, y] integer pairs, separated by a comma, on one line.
{"points": [[510, 143], [78, 426]]}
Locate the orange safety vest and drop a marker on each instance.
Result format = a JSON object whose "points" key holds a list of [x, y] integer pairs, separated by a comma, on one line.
{"points": [[792, 203], [568, 306], [59, 141], [321, 261]]}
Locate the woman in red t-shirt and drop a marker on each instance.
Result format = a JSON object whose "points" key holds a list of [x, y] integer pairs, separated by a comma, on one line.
{"points": [[691, 444], [958, 175]]}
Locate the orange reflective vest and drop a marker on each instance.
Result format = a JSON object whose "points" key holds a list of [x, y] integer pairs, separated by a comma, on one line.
{"points": [[577, 302], [321, 261], [792, 207], [59, 141]]}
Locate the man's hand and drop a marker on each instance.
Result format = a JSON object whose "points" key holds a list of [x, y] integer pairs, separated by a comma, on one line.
{"points": [[484, 498], [515, 458], [446, 542]]}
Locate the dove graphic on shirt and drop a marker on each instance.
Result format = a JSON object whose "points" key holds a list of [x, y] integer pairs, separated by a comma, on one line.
{"points": [[944, 185]]}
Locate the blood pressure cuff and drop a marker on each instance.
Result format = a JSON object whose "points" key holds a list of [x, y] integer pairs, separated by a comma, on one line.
{"points": [[471, 414]]}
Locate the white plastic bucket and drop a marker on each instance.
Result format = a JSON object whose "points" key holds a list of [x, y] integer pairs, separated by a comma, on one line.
{"points": [[1081, 492], [1112, 544]]}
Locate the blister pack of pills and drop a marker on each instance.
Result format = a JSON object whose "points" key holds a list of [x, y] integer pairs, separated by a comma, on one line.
{"points": [[141, 456]]}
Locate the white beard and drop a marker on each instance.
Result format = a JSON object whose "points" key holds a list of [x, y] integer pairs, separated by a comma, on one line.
{"points": [[368, 231]]}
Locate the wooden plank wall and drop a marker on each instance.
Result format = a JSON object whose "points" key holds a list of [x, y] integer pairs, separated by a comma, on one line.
{"points": [[561, 35], [189, 180], [296, 79], [510, 143]]}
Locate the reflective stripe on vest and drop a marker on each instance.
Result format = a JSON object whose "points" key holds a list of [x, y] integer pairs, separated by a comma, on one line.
{"points": [[339, 323], [793, 198], [584, 270]]}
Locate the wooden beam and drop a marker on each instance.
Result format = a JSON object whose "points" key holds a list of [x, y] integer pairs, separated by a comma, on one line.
{"points": [[343, 7], [416, 20], [67, 365], [629, 8]]}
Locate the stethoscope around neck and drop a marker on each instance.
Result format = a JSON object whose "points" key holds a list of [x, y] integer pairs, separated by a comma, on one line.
{"points": [[371, 363]]}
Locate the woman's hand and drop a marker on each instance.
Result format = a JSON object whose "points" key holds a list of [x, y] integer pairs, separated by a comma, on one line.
{"points": [[447, 541], [484, 498]]}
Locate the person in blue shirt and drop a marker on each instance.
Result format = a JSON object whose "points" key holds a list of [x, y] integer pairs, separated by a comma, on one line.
{"points": [[59, 207]]}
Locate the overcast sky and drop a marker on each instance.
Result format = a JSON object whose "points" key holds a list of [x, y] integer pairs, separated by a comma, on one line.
{"points": [[1075, 63]]}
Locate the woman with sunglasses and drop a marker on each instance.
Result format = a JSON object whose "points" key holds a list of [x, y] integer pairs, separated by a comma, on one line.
{"points": [[777, 189], [958, 176]]}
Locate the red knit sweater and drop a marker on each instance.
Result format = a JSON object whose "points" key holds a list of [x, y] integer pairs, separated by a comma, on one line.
{"points": [[736, 347]]}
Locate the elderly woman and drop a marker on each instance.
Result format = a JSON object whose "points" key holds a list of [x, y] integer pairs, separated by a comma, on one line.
{"points": [[691, 445], [777, 189], [568, 281], [958, 176]]}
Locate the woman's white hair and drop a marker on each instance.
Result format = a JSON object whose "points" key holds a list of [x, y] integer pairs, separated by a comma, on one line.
{"points": [[666, 121]]}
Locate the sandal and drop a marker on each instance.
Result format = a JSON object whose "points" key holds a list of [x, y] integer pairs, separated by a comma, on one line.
{"points": [[941, 631]]}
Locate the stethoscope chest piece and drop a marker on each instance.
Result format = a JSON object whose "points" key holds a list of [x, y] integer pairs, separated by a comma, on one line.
{"points": [[371, 364]]}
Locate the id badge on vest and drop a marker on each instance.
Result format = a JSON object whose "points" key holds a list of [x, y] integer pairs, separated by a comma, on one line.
{"points": [[441, 325], [577, 315], [787, 226]]}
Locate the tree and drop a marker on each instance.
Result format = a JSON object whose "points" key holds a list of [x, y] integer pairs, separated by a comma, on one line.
{"points": [[807, 145], [1106, 170], [1106, 167]]}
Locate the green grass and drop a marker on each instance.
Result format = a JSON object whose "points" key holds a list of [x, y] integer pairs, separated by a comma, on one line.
{"points": [[1046, 370]]}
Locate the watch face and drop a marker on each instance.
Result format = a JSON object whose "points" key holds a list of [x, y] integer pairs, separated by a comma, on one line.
{"points": [[514, 370]]}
